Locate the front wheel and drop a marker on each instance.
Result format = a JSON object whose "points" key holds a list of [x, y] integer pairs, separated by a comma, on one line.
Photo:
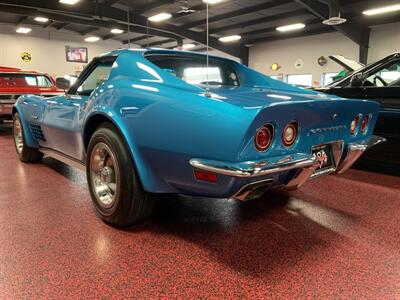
{"points": [[113, 183], [25, 153]]}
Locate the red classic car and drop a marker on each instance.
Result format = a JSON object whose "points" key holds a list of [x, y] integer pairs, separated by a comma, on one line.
{"points": [[15, 82]]}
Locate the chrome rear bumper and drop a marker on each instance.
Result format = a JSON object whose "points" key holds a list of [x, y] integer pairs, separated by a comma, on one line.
{"points": [[305, 165], [354, 151], [253, 169]]}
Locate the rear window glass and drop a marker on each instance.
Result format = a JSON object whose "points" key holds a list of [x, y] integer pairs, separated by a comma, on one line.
{"points": [[194, 70], [24, 80]]}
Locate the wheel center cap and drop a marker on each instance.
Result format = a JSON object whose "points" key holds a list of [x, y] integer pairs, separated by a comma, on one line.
{"points": [[106, 174]]}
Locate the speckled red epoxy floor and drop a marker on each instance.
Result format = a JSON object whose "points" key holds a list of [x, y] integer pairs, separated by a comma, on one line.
{"points": [[338, 237]]}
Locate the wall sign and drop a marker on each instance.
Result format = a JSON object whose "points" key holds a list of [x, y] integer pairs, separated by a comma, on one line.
{"points": [[76, 54], [298, 64], [275, 67], [26, 57], [322, 61]]}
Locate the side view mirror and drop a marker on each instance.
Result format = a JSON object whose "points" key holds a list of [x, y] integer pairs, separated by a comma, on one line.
{"points": [[357, 80], [62, 83]]}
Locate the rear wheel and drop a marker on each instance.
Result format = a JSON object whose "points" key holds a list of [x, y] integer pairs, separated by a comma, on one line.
{"points": [[25, 153], [113, 182]]}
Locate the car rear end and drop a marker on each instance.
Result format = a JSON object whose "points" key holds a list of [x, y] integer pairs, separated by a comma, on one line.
{"points": [[290, 142], [241, 133]]}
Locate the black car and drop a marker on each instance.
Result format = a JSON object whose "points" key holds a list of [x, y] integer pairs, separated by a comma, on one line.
{"points": [[379, 81]]}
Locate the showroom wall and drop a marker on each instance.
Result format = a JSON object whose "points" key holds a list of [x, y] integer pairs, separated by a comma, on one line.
{"points": [[47, 49], [308, 49], [384, 40]]}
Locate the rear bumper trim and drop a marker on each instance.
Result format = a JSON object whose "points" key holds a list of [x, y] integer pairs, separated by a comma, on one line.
{"points": [[255, 169], [355, 151]]}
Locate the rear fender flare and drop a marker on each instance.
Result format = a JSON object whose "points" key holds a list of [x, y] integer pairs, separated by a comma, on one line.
{"points": [[129, 140]]}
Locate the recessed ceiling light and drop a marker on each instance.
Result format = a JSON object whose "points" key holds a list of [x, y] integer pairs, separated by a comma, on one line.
{"points": [[188, 46], [230, 38], [160, 17], [92, 39], [116, 31], [291, 27], [213, 1], [23, 30], [381, 10], [41, 19], [69, 2]]}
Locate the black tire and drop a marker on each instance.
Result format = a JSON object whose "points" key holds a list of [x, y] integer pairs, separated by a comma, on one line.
{"points": [[130, 204], [25, 153]]}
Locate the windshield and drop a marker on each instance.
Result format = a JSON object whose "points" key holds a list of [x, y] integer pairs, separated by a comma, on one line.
{"points": [[24, 81], [194, 70]]}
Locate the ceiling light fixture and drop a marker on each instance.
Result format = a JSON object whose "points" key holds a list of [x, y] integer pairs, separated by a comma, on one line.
{"points": [[188, 46], [381, 10], [333, 21], [230, 38], [41, 19], [291, 27], [69, 2], [23, 30], [160, 17], [213, 1], [92, 39], [116, 31]]}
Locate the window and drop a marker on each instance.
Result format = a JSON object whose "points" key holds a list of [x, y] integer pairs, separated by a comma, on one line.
{"points": [[193, 69], [303, 80], [328, 78], [387, 76], [99, 74], [24, 80], [197, 75], [71, 78]]}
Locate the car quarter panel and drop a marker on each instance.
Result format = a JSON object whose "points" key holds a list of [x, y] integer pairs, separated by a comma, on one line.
{"points": [[165, 127]]}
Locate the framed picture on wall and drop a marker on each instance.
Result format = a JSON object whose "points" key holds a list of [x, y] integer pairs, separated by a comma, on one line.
{"points": [[76, 54]]}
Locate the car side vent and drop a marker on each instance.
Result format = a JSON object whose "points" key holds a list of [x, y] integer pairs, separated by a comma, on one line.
{"points": [[37, 132]]}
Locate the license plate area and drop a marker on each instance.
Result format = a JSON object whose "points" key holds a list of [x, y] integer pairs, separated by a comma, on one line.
{"points": [[325, 159]]}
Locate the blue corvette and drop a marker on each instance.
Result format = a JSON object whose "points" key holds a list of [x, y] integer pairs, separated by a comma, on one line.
{"points": [[148, 121]]}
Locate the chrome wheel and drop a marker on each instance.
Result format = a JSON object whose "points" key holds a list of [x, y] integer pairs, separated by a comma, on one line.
{"points": [[104, 175], [18, 137]]}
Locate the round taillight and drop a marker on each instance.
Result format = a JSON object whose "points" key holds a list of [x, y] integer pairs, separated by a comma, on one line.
{"points": [[289, 134], [263, 138], [365, 122], [354, 124]]}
